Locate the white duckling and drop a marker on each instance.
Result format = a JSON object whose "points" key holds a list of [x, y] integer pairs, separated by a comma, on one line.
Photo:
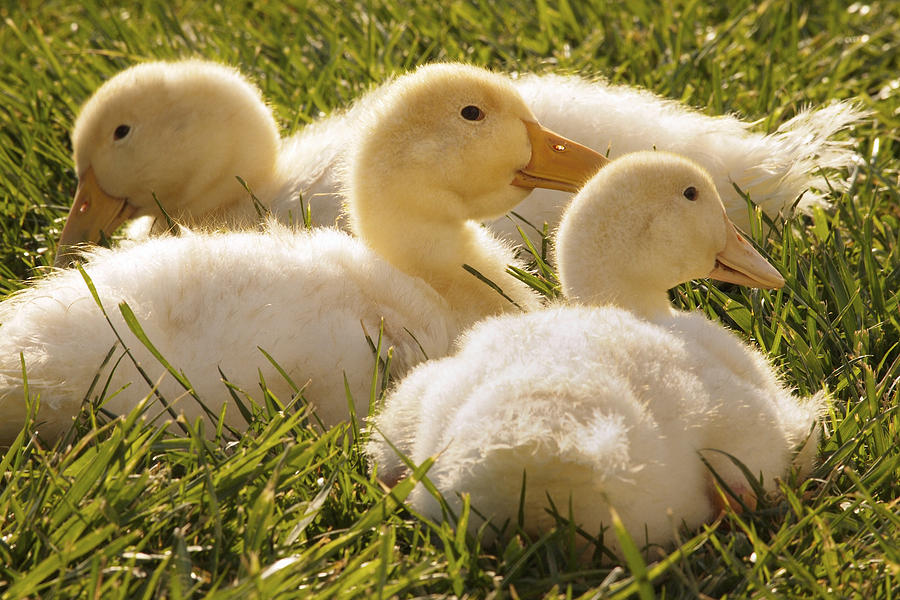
{"points": [[213, 125], [185, 131], [608, 402], [445, 145]]}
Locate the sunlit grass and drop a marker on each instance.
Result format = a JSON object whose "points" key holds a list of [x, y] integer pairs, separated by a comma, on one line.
{"points": [[125, 511]]}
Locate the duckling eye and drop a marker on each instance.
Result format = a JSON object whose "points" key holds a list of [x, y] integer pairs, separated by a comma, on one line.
{"points": [[472, 113], [121, 131], [690, 193]]}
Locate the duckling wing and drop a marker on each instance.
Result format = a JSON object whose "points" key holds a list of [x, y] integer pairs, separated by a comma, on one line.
{"points": [[751, 414]]}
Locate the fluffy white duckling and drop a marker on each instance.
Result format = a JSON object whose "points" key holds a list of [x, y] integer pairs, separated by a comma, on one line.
{"points": [[185, 131], [211, 125], [445, 145], [599, 405]]}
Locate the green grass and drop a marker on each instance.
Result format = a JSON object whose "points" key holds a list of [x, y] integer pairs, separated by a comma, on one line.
{"points": [[125, 511]]}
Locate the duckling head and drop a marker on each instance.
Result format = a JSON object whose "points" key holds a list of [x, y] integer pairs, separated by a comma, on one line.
{"points": [[644, 224], [180, 130], [453, 142]]}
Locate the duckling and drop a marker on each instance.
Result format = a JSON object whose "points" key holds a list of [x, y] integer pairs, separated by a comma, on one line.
{"points": [[445, 146], [212, 125], [611, 400], [184, 131]]}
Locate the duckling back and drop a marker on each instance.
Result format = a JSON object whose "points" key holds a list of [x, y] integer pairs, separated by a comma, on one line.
{"points": [[210, 302], [732, 368], [592, 406]]}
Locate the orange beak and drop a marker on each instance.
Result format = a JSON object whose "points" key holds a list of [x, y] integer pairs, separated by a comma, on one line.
{"points": [[557, 163], [93, 214], [740, 263]]}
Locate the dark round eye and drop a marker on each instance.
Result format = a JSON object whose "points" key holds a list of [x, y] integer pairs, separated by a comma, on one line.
{"points": [[690, 193], [472, 113], [121, 131]]}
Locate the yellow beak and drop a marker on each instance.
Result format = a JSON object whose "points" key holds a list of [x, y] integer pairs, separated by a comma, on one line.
{"points": [[94, 213], [557, 163], [740, 263]]}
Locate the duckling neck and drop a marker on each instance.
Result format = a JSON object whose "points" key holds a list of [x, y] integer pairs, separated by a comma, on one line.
{"points": [[652, 305], [224, 202], [649, 304], [605, 269], [435, 247]]}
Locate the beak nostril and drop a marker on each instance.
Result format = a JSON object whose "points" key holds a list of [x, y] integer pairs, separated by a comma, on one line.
{"points": [[559, 147]]}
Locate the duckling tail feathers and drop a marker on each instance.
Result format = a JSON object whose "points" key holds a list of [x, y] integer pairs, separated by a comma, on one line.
{"points": [[798, 152]]}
